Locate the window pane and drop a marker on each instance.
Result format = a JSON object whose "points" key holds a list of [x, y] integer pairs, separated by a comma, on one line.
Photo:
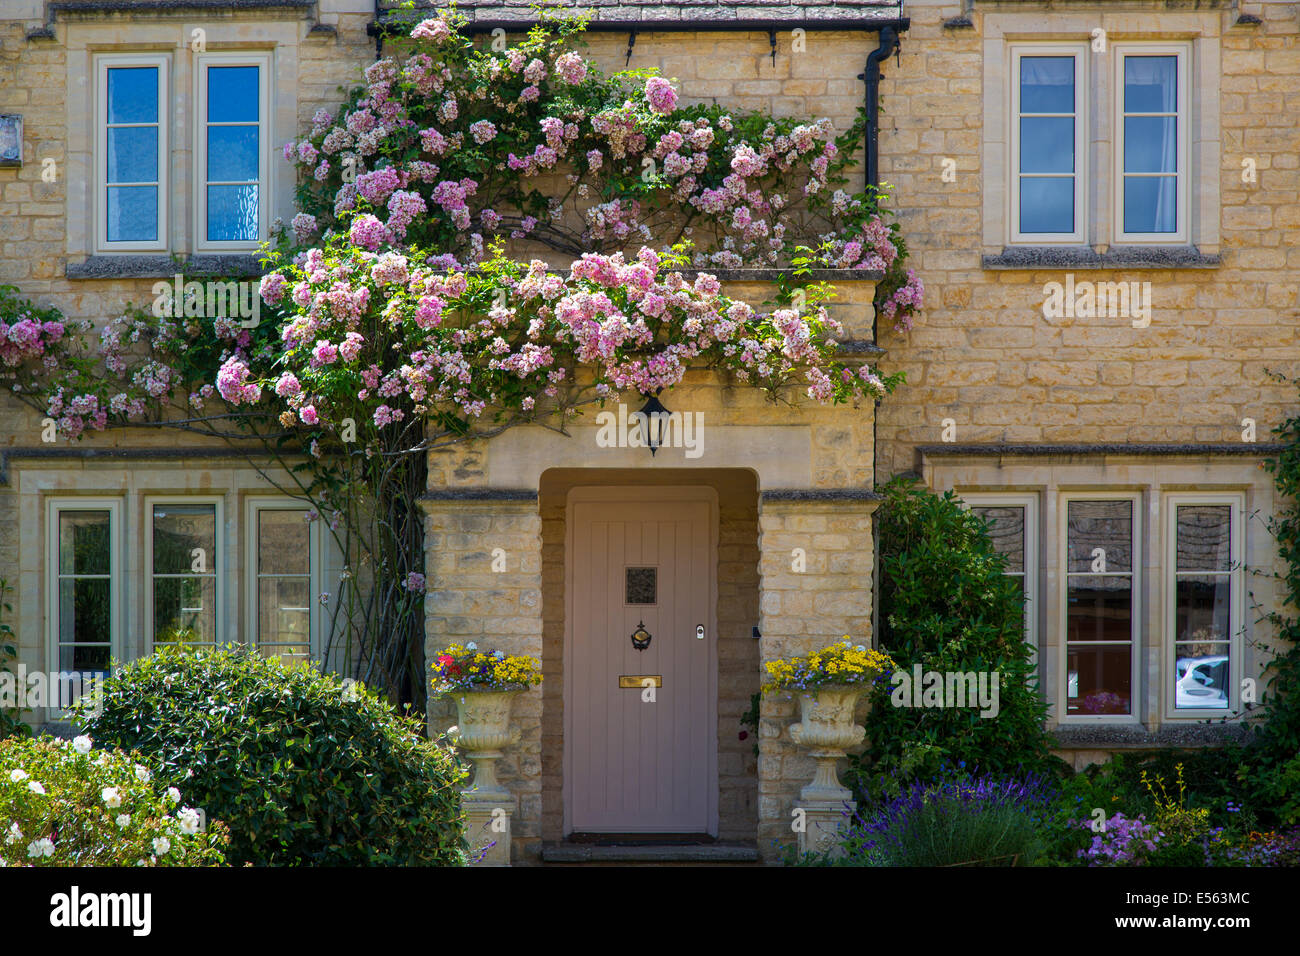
{"points": [[1150, 84], [1150, 144], [1203, 538], [133, 94], [84, 611], [232, 153], [80, 657], [178, 532], [1104, 525], [83, 542], [1007, 529], [1099, 609], [1150, 204], [232, 94], [1202, 607], [283, 542], [185, 610], [232, 213], [132, 213], [133, 154], [1047, 84], [1046, 144], [1047, 205], [284, 610], [641, 586], [1098, 680], [1201, 676]]}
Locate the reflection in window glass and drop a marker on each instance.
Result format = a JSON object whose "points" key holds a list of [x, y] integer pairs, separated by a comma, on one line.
{"points": [[234, 149], [84, 591], [1099, 607], [132, 128], [1150, 125], [284, 583], [1047, 164], [184, 573], [1202, 606], [1006, 524]]}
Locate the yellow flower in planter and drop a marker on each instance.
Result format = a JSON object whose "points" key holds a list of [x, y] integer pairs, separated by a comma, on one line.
{"points": [[463, 667], [842, 663]]}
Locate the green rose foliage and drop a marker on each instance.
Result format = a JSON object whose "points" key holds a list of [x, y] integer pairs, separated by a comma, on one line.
{"points": [[946, 604], [60, 806], [303, 769]]}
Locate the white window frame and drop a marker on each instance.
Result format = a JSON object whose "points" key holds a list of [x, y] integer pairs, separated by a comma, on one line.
{"points": [[1183, 52], [253, 506], [217, 561], [1136, 620], [1030, 578], [262, 60], [53, 507], [103, 63], [1015, 52], [1237, 595]]}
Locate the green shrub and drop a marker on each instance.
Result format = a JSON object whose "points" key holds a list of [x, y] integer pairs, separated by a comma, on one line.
{"points": [[62, 804], [302, 768], [946, 604]]}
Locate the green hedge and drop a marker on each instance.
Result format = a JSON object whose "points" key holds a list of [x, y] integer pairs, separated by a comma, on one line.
{"points": [[946, 604], [302, 769]]}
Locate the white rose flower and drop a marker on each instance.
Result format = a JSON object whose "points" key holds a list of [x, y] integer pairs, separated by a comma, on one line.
{"points": [[123, 821], [173, 795], [81, 744], [111, 797], [14, 835], [35, 787], [142, 774], [39, 848], [18, 776], [189, 820], [161, 845]]}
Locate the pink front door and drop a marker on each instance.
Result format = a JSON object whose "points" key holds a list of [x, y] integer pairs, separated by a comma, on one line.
{"points": [[638, 759]]}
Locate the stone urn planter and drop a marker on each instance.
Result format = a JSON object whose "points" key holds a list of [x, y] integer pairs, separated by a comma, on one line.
{"points": [[827, 730], [483, 728]]}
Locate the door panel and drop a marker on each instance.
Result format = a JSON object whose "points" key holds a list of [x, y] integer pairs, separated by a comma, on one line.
{"points": [[638, 766]]}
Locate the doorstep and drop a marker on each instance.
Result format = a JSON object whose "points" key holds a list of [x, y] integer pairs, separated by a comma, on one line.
{"points": [[706, 853]]}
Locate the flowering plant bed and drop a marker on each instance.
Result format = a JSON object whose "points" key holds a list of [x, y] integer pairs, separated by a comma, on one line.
{"points": [[839, 664], [464, 667], [63, 804]]}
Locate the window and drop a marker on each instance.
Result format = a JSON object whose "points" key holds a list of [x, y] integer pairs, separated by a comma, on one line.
{"points": [[1151, 143], [1013, 525], [1048, 143], [1100, 607], [183, 560], [284, 578], [132, 166], [231, 148], [1203, 591], [82, 585]]}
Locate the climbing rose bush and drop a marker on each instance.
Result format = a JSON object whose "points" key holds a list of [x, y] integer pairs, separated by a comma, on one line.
{"points": [[453, 145], [386, 340], [62, 803]]}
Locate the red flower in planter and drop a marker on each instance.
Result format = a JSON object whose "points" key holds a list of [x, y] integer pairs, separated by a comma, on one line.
{"points": [[447, 665]]}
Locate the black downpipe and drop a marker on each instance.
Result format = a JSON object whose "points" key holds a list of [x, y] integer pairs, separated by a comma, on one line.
{"points": [[888, 44]]}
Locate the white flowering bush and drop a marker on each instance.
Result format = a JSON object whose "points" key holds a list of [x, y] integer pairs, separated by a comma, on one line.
{"points": [[63, 803]]}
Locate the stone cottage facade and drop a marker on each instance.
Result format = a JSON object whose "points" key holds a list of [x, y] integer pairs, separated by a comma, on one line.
{"points": [[1103, 201]]}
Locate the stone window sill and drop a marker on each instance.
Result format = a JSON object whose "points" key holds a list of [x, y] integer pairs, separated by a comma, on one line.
{"points": [[1133, 257], [1137, 737], [164, 267]]}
